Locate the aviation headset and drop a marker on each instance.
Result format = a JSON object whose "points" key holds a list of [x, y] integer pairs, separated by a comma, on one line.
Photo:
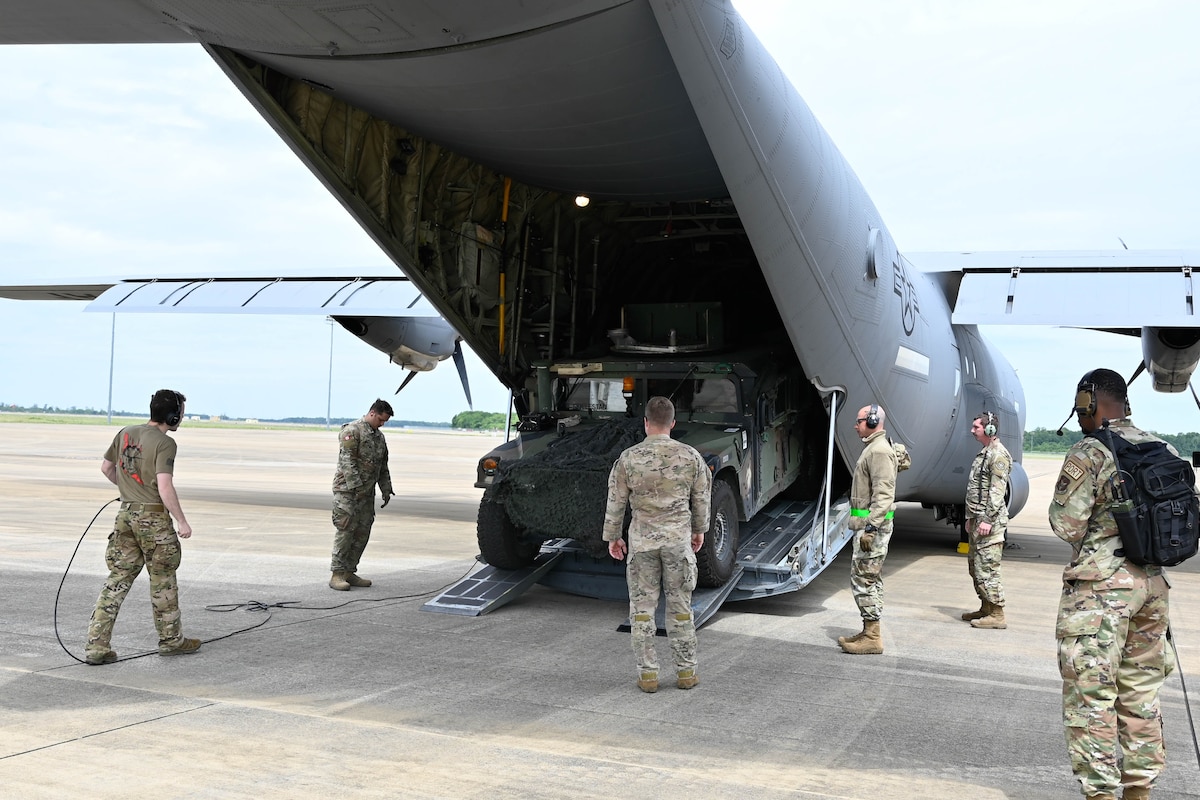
{"points": [[1085, 397], [989, 423], [173, 417], [872, 419]]}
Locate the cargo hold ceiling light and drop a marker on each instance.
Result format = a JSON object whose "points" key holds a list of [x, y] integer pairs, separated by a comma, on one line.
{"points": [[582, 200]]}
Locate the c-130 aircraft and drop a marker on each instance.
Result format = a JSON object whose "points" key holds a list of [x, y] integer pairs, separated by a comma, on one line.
{"points": [[461, 136]]}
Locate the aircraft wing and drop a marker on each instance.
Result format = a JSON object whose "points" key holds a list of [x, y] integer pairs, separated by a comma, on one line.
{"points": [[1145, 293], [385, 311], [56, 291], [366, 292], [1135, 288], [358, 296]]}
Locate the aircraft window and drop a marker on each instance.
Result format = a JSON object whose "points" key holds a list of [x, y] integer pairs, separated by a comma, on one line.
{"points": [[599, 394]]}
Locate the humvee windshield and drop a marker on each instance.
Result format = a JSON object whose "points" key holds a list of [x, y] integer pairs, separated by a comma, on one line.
{"points": [[693, 394], [594, 394]]}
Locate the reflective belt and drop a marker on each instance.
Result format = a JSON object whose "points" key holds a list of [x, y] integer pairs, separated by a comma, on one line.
{"points": [[866, 512]]}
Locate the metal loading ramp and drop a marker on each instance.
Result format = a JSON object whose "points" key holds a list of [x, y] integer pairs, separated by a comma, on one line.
{"points": [[781, 550], [490, 588]]}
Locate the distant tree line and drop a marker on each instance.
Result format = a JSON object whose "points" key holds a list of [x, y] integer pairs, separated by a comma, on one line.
{"points": [[1044, 440], [96, 412], [44, 409], [479, 421], [394, 422], [1038, 440]]}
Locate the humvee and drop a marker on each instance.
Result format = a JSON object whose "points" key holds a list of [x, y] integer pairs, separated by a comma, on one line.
{"points": [[743, 409]]}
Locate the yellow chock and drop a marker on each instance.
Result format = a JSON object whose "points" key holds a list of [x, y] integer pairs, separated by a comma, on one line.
{"points": [[964, 548]]}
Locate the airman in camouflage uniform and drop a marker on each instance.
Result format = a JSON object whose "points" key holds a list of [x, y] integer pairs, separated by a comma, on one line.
{"points": [[1113, 616], [987, 521], [668, 486], [872, 507], [141, 463], [362, 463]]}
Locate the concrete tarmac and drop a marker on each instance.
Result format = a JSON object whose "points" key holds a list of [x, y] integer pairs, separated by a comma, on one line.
{"points": [[361, 694]]}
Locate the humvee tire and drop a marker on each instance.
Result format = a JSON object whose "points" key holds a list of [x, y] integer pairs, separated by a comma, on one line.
{"points": [[500, 541], [714, 562]]}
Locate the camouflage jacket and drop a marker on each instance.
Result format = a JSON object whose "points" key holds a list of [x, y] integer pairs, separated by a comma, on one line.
{"points": [[873, 493], [1079, 512], [362, 460], [667, 484], [987, 484]]}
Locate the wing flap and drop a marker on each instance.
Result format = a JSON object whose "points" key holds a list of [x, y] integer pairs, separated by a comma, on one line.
{"points": [[1084, 288], [1077, 298], [374, 296]]}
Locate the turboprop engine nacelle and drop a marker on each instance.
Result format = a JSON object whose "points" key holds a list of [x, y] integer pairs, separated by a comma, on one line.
{"points": [[1170, 355], [416, 343]]}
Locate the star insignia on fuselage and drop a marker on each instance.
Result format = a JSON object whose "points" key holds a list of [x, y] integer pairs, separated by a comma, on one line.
{"points": [[907, 293]]}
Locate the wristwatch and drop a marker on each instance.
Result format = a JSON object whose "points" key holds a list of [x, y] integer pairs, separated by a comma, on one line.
{"points": [[870, 529]]}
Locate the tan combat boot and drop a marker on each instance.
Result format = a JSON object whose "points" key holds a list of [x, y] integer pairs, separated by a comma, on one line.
{"points": [[993, 620], [843, 639], [354, 580], [686, 678], [96, 659], [338, 582], [869, 643], [648, 682], [184, 647], [1136, 793], [985, 608]]}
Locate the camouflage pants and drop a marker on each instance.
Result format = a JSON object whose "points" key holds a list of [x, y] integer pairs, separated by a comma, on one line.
{"points": [[866, 573], [672, 568], [139, 538], [983, 562], [1113, 656], [353, 516]]}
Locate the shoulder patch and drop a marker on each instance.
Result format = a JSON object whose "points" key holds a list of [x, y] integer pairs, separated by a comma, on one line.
{"points": [[1074, 470]]}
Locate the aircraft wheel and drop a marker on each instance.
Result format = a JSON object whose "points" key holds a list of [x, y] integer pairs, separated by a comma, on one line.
{"points": [[714, 562], [500, 541]]}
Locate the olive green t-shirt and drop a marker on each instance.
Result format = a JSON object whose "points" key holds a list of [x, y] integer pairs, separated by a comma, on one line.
{"points": [[141, 452]]}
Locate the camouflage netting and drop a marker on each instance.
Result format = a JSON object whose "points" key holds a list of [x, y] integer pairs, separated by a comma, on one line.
{"points": [[562, 491]]}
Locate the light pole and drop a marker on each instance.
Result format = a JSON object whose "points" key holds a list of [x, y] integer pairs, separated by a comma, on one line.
{"points": [[112, 357], [329, 394]]}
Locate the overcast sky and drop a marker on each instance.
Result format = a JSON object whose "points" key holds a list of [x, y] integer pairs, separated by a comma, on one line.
{"points": [[974, 126]]}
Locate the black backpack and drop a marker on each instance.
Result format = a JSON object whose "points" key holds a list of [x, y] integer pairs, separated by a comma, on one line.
{"points": [[1157, 514]]}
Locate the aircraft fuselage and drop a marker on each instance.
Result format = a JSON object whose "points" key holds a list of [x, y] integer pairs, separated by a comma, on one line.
{"points": [[459, 136]]}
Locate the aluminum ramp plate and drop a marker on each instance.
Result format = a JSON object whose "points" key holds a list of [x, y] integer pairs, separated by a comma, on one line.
{"points": [[490, 588], [705, 603]]}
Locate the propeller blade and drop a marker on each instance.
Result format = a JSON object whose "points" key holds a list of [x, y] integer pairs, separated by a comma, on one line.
{"points": [[461, 363], [412, 374], [1140, 369]]}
